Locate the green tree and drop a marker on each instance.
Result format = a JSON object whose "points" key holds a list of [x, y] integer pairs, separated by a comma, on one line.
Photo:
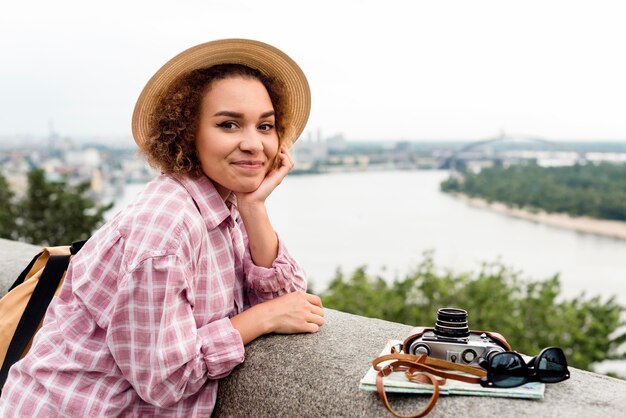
{"points": [[531, 314], [7, 210], [55, 213], [597, 191]]}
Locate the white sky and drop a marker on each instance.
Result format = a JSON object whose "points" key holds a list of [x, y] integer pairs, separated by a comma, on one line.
{"points": [[378, 69]]}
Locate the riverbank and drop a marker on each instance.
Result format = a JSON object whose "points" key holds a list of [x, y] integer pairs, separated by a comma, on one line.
{"points": [[602, 227]]}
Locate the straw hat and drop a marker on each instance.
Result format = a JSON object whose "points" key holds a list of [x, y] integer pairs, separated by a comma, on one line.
{"points": [[258, 55]]}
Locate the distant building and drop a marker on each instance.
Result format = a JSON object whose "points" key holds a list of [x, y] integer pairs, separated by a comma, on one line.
{"points": [[89, 157], [606, 157], [307, 153], [337, 143]]}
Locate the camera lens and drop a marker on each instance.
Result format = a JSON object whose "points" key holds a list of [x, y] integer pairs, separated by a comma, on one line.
{"points": [[452, 323]]}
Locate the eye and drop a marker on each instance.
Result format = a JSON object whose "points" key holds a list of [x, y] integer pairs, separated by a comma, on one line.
{"points": [[227, 125], [266, 127]]}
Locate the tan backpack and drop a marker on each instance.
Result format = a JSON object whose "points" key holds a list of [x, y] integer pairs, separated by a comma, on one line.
{"points": [[23, 308]]}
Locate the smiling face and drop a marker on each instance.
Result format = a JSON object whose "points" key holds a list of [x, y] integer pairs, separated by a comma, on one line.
{"points": [[236, 139]]}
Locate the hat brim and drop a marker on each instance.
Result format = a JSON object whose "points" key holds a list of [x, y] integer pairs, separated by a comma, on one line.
{"points": [[267, 59]]}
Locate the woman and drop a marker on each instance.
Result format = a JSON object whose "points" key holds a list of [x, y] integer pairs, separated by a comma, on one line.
{"points": [[160, 302]]}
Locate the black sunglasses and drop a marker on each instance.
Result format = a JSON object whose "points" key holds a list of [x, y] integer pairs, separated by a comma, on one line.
{"points": [[508, 369]]}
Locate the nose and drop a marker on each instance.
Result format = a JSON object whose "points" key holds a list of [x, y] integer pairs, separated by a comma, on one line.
{"points": [[251, 142]]}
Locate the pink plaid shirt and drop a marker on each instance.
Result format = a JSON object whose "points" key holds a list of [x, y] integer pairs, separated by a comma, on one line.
{"points": [[141, 326]]}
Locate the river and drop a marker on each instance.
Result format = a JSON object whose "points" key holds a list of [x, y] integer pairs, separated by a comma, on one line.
{"points": [[388, 219]]}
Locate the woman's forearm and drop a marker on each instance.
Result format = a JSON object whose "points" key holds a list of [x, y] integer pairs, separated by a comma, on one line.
{"points": [[251, 323], [262, 239]]}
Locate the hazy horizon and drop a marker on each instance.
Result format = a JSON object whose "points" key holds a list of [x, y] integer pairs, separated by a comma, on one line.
{"points": [[399, 70], [126, 142]]}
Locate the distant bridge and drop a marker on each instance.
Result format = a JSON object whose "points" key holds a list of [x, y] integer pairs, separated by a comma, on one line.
{"points": [[451, 161]]}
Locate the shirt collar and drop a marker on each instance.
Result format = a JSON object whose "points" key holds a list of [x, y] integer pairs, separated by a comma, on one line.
{"points": [[212, 207]]}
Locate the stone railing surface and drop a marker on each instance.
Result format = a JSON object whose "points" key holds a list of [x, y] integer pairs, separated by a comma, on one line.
{"points": [[317, 375]]}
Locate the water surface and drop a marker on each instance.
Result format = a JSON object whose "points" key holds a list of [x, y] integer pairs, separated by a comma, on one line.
{"points": [[387, 219]]}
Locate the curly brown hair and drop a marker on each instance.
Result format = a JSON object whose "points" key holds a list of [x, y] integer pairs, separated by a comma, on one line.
{"points": [[171, 146]]}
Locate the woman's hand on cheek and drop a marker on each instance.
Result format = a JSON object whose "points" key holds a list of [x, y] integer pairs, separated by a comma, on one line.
{"points": [[271, 180]]}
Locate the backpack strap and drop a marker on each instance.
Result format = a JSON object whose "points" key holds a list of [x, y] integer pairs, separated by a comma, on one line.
{"points": [[20, 279], [76, 246], [34, 311]]}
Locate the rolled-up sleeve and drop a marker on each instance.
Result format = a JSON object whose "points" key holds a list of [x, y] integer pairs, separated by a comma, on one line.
{"points": [[284, 276], [154, 338]]}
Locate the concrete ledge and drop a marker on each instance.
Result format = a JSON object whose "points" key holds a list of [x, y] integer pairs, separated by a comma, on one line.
{"points": [[14, 256], [317, 375]]}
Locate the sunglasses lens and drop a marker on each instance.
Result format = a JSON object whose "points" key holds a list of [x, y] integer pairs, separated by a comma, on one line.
{"points": [[508, 370], [552, 366]]}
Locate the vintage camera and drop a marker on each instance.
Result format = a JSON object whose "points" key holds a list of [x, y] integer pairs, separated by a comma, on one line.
{"points": [[452, 340]]}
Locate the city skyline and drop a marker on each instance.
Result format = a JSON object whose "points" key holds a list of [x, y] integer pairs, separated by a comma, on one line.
{"points": [[402, 71]]}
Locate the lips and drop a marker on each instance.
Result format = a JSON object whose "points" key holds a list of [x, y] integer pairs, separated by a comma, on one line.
{"points": [[249, 164]]}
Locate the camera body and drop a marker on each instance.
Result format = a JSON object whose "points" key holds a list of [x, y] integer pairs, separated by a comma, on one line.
{"points": [[452, 340]]}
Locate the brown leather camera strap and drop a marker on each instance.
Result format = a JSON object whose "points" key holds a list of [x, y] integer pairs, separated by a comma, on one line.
{"points": [[422, 369], [431, 404], [432, 365]]}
